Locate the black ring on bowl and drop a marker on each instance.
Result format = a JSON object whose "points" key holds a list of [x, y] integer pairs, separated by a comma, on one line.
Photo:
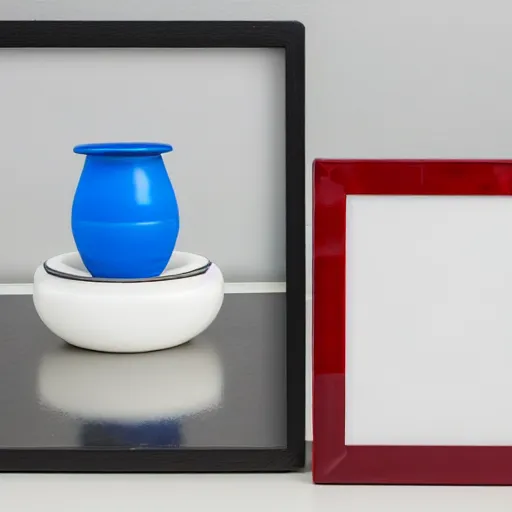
{"points": [[191, 273]]}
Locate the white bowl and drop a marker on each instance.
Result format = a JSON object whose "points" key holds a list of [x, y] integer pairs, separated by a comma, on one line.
{"points": [[132, 388], [138, 316]]}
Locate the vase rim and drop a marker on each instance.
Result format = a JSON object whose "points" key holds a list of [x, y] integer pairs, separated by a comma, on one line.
{"points": [[123, 148]]}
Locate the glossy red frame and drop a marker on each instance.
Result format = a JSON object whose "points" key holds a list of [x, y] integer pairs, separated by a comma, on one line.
{"points": [[333, 461]]}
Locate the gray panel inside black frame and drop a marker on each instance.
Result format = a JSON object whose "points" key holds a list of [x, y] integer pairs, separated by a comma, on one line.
{"points": [[222, 109], [225, 389]]}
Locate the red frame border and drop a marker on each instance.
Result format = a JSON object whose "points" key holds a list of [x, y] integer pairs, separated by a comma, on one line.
{"points": [[333, 461]]}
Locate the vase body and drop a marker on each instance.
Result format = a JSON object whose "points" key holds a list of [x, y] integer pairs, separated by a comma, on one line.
{"points": [[125, 218]]}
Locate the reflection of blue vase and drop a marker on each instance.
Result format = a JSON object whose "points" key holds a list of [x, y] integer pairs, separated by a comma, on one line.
{"points": [[125, 217], [163, 433]]}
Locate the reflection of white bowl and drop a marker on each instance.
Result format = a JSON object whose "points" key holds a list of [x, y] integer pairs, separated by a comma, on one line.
{"points": [[138, 316], [132, 387]]}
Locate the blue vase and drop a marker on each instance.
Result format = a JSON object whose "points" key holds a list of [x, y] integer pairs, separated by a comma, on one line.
{"points": [[125, 217]]}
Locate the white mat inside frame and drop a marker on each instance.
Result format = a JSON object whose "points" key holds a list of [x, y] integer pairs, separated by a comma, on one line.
{"points": [[429, 320]]}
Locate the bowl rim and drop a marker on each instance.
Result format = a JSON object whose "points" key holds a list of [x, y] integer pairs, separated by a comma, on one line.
{"points": [[173, 277]]}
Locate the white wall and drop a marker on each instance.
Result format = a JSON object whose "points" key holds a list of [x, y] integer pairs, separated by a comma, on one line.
{"points": [[396, 78]]}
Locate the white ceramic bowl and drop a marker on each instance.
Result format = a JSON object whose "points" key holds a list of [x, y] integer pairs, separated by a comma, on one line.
{"points": [[138, 316], [133, 388]]}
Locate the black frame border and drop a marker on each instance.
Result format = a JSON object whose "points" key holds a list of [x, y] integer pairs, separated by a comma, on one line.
{"points": [[289, 35]]}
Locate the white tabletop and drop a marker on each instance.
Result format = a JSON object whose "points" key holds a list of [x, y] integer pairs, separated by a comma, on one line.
{"points": [[240, 493]]}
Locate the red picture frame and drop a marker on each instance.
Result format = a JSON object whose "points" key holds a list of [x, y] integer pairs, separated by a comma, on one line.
{"points": [[333, 460]]}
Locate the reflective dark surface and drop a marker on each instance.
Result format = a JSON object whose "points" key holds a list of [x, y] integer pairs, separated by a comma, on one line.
{"points": [[225, 389]]}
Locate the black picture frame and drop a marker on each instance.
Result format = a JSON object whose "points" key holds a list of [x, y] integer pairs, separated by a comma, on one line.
{"points": [[289, 35]]}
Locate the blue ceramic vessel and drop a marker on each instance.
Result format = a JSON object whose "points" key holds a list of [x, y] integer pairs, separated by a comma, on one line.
{"points": [[125, 217]]}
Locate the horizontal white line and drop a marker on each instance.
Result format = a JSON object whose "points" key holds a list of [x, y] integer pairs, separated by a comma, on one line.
{"points": [[255, 288], [26, 288], [16, 289]]}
